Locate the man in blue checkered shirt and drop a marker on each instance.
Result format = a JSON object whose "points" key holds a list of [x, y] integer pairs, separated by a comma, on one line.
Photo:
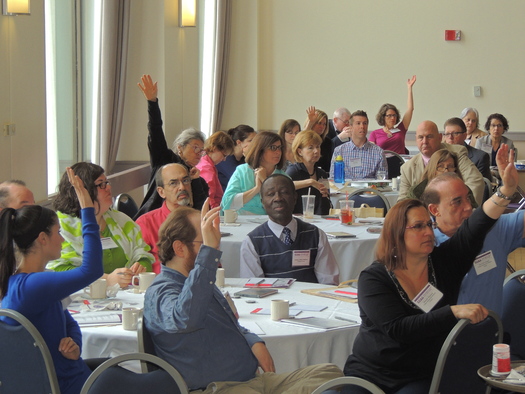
{"points": [[362, 158]]}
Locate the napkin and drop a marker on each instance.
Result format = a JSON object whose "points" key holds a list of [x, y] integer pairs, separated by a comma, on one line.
{"points": [[515, 377]]}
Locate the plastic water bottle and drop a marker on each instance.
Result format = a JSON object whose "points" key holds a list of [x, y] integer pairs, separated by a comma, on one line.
{"points": [[339, 170]]}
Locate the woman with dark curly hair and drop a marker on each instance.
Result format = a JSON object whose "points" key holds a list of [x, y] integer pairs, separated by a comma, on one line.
{"points": [[392, 135], [125, 253], [496, 125]]}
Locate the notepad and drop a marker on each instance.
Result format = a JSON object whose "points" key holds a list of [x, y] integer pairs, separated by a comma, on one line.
{"points": [[256, 292], [318, 323], [340, 234]]}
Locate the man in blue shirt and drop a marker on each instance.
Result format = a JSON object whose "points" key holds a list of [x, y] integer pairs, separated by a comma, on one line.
{"points": [[448, 202], [194, 328], [362, 158]]}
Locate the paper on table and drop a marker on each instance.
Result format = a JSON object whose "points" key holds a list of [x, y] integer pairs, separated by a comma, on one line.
{"points": [[279, 283], [309, 308], [253, 327], [267, 311], [341, 293], [98, 319], [318, 323]]}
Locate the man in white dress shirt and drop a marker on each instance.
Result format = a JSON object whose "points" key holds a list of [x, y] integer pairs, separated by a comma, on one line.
{"points": [[286, 247]]}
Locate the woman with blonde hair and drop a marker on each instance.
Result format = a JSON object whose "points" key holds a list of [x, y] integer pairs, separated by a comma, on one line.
{"points": [[306, 175], [317, 121], [263, 158], [217, 148]]}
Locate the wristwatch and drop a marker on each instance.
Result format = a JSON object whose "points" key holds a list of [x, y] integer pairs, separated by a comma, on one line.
{"points": [[501, 195]]}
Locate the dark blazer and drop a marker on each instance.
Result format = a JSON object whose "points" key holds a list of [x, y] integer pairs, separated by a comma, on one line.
{"points": [[480, 159], [332, 132]]}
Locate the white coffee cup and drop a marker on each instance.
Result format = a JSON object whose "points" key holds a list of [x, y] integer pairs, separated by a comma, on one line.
{"points": [[230, 215], [219, 277], [280, 309], [144, 279], [394, 184], [97, 289], [130, 318]]}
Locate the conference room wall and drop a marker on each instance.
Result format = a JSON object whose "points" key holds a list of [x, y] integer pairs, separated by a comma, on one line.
{"points": [[359, 54]]}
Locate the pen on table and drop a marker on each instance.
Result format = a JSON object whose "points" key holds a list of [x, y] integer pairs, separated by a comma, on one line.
{"points": [[345, 319]]}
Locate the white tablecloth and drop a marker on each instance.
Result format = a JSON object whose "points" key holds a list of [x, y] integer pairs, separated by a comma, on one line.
{"points": [[291, 347], [352, 254]]}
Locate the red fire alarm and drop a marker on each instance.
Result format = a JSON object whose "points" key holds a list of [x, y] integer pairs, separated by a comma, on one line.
{"points": [[452, 35]]}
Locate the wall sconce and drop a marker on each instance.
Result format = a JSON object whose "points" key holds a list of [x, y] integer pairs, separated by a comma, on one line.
{"points": [[15, 7], [187, 13]]}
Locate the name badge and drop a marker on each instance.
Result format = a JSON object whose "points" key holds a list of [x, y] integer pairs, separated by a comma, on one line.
{"points": [[355, 162], [301, 258], [108, 243], [427, 298], [395, 130], [484, 262], [486, 148]]}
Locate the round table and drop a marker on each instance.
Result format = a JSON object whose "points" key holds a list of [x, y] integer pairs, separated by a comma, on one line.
{"points": [[484, 373]]}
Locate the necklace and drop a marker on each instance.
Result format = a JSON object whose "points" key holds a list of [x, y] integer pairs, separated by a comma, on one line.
{"points": [[312, 174]]}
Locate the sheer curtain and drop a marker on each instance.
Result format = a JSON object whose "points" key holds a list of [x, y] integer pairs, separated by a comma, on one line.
{"points": [[113, 60], [217, 27]]}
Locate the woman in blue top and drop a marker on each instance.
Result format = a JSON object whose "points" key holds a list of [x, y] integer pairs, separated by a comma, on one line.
{"points": [[264, 158], [26, 288]]}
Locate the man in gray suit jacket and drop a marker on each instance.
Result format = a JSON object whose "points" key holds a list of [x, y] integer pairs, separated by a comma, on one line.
{"points": [[455, 134], [428, 141]]}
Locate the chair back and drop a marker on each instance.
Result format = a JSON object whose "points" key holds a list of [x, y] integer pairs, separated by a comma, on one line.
{"points": [[348, 381], [394, 162], [467, 348], [376, 200], [513, 315], [26, 365], [145, 344], [166, 379], [125, 204]]}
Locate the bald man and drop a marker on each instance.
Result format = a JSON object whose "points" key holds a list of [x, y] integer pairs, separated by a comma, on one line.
{"points": [[15, 194], [428, 140]]}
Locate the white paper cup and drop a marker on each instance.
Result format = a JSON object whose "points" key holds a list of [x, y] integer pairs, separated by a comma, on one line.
{"points": [[219, 277], [130, 317], [308, 206], [230, 216], [143, 280], [97, 289], [280, 309]]}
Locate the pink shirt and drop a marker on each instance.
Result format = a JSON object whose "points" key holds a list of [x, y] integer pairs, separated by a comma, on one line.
{"points": [[396, 143], [210, 175], [149, 224]]}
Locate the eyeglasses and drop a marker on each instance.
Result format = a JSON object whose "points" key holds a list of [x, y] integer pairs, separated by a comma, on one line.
{"points": [[390, 116], [198, 150], [273, 148], [421, 226], [454, 134], [345, 122], [446, 169], [174, 183], [496, 126], [103, 185]]}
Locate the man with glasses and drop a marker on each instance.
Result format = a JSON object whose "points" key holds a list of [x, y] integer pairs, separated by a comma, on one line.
{"points": [[456, 134], [447, 199], [193, 327], [174, 186], [362, 158], [428, 140], [339, 129]]}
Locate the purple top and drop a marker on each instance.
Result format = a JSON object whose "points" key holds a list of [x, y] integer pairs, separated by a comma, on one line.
{"points": [[396, 143]]}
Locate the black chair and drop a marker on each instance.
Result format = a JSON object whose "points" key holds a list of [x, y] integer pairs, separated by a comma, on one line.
{"points": [[394, 162], [125, 204], [112, 378], [513, 315], [145, 344], [26, 365], [348, 381], [364, 196], [467, 348]]}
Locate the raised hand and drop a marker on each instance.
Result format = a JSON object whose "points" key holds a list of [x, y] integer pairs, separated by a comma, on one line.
{"points": [[411, 81], [84, 199], [148, 88], [507, 170], [312, 114], [210, 225]]}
